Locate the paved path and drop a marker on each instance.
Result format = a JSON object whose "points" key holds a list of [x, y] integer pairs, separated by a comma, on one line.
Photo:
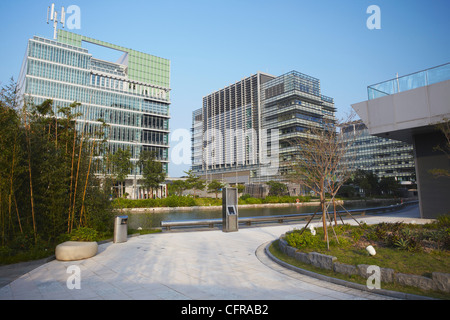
{"points": [[200, 265]]}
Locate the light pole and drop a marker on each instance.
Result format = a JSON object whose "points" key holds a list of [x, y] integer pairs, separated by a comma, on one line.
{"points": [[135, 191]]}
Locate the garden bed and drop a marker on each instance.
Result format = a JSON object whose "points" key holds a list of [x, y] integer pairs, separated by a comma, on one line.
{"points": [[407, 254]]}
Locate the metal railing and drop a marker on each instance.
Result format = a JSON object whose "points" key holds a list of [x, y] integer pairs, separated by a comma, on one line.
{"points": [[411, 81], [278, 218]]}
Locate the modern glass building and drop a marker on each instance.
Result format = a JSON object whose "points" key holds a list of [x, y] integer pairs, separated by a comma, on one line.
{"points": [[292, 105], [242, 133], [132, 95], [383, 157]]}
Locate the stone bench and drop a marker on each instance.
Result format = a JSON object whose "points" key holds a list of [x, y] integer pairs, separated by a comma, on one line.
{"points": [[75, 250]]}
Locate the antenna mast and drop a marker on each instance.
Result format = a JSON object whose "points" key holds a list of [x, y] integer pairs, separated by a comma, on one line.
{"points": [[54, 17]]}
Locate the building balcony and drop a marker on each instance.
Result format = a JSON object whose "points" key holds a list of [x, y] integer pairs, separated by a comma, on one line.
{"points": [[409, 82]]}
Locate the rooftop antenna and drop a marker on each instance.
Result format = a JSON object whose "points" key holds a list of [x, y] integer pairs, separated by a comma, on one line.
{"points": [[63, 17], [52, 15]]}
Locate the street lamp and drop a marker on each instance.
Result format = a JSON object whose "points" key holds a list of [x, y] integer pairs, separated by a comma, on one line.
{"points": [[135, 191]]}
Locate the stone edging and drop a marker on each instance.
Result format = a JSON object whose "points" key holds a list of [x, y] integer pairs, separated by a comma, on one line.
{"points": [[321, 260]]}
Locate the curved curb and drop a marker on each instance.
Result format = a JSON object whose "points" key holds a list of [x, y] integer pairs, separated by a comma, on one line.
{"points": [[393, 294]]}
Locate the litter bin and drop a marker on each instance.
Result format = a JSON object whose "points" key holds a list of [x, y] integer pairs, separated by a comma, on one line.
{"points": [[229, 210], [120, 229]]}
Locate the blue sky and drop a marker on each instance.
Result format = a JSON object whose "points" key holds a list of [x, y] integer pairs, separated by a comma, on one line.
{"points": [[212, 44]]}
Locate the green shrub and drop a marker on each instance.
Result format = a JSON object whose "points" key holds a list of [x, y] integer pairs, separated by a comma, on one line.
{"points": [[84, 234], [22, 242], [272, 199], [253, 201], [303, 240], [177, 201], [245, 196], [356, 233], [207, 202], [443, 221], [399, 235]]}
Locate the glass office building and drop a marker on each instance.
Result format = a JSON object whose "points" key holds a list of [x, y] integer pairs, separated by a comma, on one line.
{"points": [[383, 157], [292, 105], [132, 95], [243, 132]]}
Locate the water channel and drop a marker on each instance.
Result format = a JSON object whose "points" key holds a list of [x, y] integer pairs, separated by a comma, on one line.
{"points": [[150, 218]]}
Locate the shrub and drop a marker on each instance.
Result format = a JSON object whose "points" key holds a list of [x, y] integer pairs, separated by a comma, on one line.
{"points": [[253, 201], [22, 242], [303, 240], [271, 199], [84, 234], [398, 235], [356, 233], [443, 221], [245, 196], [177, 201]]}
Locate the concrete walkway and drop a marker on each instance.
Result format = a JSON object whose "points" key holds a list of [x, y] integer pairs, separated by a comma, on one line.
{"points": [[200, 265]]}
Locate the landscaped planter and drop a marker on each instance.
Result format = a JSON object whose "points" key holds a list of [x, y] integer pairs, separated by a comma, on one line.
{"points": [[438, 282]]}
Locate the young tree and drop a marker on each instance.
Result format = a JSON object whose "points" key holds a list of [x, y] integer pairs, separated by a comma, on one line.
{"points": [[444, 127], [367, 181], [194, 182], [215, 186], [121, 166], [42, 159], [277, 188], [318, 163], [152, 170], [11, 157], [389, 186], [240, 188], [177, 187]]}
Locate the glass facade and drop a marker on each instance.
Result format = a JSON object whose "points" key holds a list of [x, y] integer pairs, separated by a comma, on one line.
{"points": [[237, 126], [225, 131], [384, 157], [142, 67], [130, 95], [293, 104]]}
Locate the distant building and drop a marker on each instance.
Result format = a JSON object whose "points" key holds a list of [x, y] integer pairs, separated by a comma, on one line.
{"points": [[242, 132], [384, 157], [131, 95]]}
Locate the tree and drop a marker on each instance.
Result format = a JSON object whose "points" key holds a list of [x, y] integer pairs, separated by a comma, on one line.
{"points": [[240, 188], [11, 158], [177, 187], [318, 163], [367, 181], [43, 160], [152, 170], [277, 188], [194, 182], [444, 127], [121, 166], [389, 186], [215, 186]]}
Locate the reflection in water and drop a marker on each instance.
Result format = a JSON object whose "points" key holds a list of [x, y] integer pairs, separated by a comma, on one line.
{"points": [[153, 219]]}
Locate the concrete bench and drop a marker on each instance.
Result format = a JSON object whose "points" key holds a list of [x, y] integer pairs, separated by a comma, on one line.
{"points": [[75, 250]]}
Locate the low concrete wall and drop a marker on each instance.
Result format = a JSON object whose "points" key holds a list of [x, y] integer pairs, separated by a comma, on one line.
{"points": [[438, 281]]}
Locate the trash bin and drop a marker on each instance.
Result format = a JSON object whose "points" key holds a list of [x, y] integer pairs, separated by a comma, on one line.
{"points": [[120, 229], [229, 210]]}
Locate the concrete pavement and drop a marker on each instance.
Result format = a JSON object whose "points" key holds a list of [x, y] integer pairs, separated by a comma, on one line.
{"points": [[200, 265]]}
